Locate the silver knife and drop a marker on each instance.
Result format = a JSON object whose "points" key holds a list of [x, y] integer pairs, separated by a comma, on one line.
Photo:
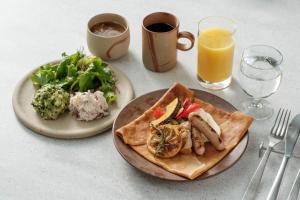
{"points": [[290, 141], [295, 189]]}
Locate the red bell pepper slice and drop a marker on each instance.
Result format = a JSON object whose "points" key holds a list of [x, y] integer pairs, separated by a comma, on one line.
{"points": [[186, 103], [179, 113], [191, 108]]}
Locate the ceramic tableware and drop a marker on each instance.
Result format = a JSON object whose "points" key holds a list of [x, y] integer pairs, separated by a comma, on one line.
{"points": [[110, 45], [160, 32], [66, 126], [137, 107]]}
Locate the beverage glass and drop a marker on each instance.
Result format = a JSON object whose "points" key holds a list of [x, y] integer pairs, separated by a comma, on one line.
{"points": [[260, 77], [215, 52]]}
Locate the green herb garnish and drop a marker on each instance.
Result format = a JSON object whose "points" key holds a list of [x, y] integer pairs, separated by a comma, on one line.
{"points": [[162, 134]]}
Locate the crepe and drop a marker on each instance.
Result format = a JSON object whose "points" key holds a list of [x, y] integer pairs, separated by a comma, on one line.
{"points": [[233, 125]]}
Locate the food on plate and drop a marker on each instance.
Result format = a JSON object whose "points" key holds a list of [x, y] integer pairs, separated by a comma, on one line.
{"points": [[187, 108], [202, 134], [79, 73], [206, 129], [88, 106], [198, 140], [185, 132], [170, 111], [164, 141], [50, 101], [191, 117]]}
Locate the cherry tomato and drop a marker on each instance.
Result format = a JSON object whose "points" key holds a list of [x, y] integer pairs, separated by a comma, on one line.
{"points": [[158, 112]]}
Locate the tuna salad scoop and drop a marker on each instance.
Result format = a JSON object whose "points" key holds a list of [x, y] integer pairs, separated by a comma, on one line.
{"points": [[87, 106]]}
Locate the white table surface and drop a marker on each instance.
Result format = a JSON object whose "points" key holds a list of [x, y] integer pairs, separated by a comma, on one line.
{"points": [[37, 167]]}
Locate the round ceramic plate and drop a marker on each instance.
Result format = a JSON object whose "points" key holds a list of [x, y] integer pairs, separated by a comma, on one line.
{"points": [[67, 126], [137, 106]]}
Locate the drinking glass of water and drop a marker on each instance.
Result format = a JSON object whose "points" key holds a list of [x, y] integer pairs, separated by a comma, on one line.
{"points": [[260, 77]]}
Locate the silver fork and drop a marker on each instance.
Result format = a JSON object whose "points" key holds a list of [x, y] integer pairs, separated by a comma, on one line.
{"points": [[277, 134]]}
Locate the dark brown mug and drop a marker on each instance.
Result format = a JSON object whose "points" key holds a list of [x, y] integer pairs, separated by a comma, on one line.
{"points": [[160, 46]]}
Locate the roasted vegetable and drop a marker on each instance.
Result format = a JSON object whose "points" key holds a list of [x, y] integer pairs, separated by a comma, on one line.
{"points": [[171, 110], [164, 141], [186, 103], [184, 113]]}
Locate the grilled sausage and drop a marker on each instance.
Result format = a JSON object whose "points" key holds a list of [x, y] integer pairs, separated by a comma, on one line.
{"points": [[211, 135]]}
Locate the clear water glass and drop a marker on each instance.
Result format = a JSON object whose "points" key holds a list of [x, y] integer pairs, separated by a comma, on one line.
{"points": [[260, 77]]}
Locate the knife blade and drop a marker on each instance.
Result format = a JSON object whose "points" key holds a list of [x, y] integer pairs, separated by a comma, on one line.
{"points": [[292, 135], [295, 188], [290, 141]]}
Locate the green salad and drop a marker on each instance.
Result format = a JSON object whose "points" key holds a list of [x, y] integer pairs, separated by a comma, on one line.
{"points": [[78, 72]]}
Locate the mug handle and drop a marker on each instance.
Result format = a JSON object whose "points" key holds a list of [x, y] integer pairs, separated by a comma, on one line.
{"points": [[187, 35]]}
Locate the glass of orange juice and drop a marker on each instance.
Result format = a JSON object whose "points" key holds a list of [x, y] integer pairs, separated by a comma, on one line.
{"points": [[215, 52]]}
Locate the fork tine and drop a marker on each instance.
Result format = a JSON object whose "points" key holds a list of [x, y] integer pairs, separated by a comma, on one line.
{"points": [[286, 124], [276, 121], [281, 121], [280, 131]]}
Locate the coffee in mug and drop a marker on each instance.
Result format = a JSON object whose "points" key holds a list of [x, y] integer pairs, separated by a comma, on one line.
{"points": [[160, 33]]}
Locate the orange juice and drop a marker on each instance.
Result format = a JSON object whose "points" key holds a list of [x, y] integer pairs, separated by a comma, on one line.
{"points": [[215, 55]]}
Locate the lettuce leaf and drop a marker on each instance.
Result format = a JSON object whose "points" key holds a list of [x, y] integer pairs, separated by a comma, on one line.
{"points": [[78, 72]]}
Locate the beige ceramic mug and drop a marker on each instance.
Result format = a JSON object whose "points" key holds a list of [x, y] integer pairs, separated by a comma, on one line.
{"points": [[160, 31], [108, 47]]}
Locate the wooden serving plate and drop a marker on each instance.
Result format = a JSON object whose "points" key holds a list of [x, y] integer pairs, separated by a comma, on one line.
{"points": [[137, 107]]}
